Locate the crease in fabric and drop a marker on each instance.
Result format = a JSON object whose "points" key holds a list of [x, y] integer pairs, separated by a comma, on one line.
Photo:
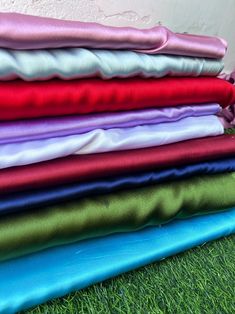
{"points": [[120, 211]]}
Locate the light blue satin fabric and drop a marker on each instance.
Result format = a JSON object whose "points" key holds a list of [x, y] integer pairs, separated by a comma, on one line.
{"points": [[74, 63], [97, 141], [37, 278]]}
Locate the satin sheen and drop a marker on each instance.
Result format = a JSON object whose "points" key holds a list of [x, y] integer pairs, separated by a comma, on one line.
{"points": [[98, 141], [82, 168], [26, 130], [19, 31], [115, 212], [45, 197], [227, 117], [65, 269], [74, 63], [21, 99]]}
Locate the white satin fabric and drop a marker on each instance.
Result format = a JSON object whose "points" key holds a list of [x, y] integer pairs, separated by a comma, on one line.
{"points": [[100, 140], [74, 63]]}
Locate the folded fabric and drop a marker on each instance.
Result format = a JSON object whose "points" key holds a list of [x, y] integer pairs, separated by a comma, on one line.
{"points": [[25, 130], [228, 76], [74, 63], [227, 117], [37, 278], [19, 31], [20, 99], [49, 196], [82, 168], [99, 140], [115, 212]]}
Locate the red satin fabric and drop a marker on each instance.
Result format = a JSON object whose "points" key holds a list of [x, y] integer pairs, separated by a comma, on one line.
{"points": [[88, 167], [21, 99]]}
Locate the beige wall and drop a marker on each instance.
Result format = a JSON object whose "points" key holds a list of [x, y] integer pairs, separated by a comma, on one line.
{"points": [[211, 17]]}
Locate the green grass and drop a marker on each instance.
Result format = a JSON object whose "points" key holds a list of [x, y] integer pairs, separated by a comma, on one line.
{"points": [[198, 281], [230, 131]]}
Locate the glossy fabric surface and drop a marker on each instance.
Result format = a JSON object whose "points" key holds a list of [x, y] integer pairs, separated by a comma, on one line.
{"points": [[37, 278], [24, 130], [44, 197], [19, 31], [98, 141], [227, 117], [121, 211], [74, 63], [92, 167], [20, 99]]}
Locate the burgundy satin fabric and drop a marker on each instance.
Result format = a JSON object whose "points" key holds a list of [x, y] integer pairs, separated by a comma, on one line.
{"points": [[19, 31], [21, 99], [90, 167]]}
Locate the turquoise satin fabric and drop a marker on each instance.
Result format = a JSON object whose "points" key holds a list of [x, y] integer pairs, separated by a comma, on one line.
{"points": [[74, 63], [37, 278], [99, 140]]}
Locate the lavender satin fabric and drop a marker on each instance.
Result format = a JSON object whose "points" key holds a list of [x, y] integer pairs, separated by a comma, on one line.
{"points": [[99, 140], [19, 31], [17, 131]]}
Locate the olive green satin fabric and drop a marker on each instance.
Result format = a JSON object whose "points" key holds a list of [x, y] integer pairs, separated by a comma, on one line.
{"points": [[121, 211]]}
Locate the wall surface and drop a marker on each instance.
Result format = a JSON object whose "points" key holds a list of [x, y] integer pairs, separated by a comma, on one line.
{"points": [[210, 17]]}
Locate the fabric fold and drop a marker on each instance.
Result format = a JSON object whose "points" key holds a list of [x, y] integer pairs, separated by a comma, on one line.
{"points": [[82, 168], [21, 100], [19, 202], [72, 63], [19, 31], [98, 141], [227, 117], [25, 130], [72, 267], [122, 211]]}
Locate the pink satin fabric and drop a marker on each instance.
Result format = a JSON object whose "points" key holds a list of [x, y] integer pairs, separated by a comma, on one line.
{"points": [[19, 31], [227, 117]]}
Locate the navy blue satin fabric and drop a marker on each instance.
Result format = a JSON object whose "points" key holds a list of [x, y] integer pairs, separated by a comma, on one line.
{"points": [[48, 196]]}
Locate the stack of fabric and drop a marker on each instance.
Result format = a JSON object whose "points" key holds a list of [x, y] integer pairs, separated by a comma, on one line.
{"points": [[105, 130]]}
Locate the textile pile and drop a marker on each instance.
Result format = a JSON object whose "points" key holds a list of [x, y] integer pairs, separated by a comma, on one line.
{"points": [[112, 152]]}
